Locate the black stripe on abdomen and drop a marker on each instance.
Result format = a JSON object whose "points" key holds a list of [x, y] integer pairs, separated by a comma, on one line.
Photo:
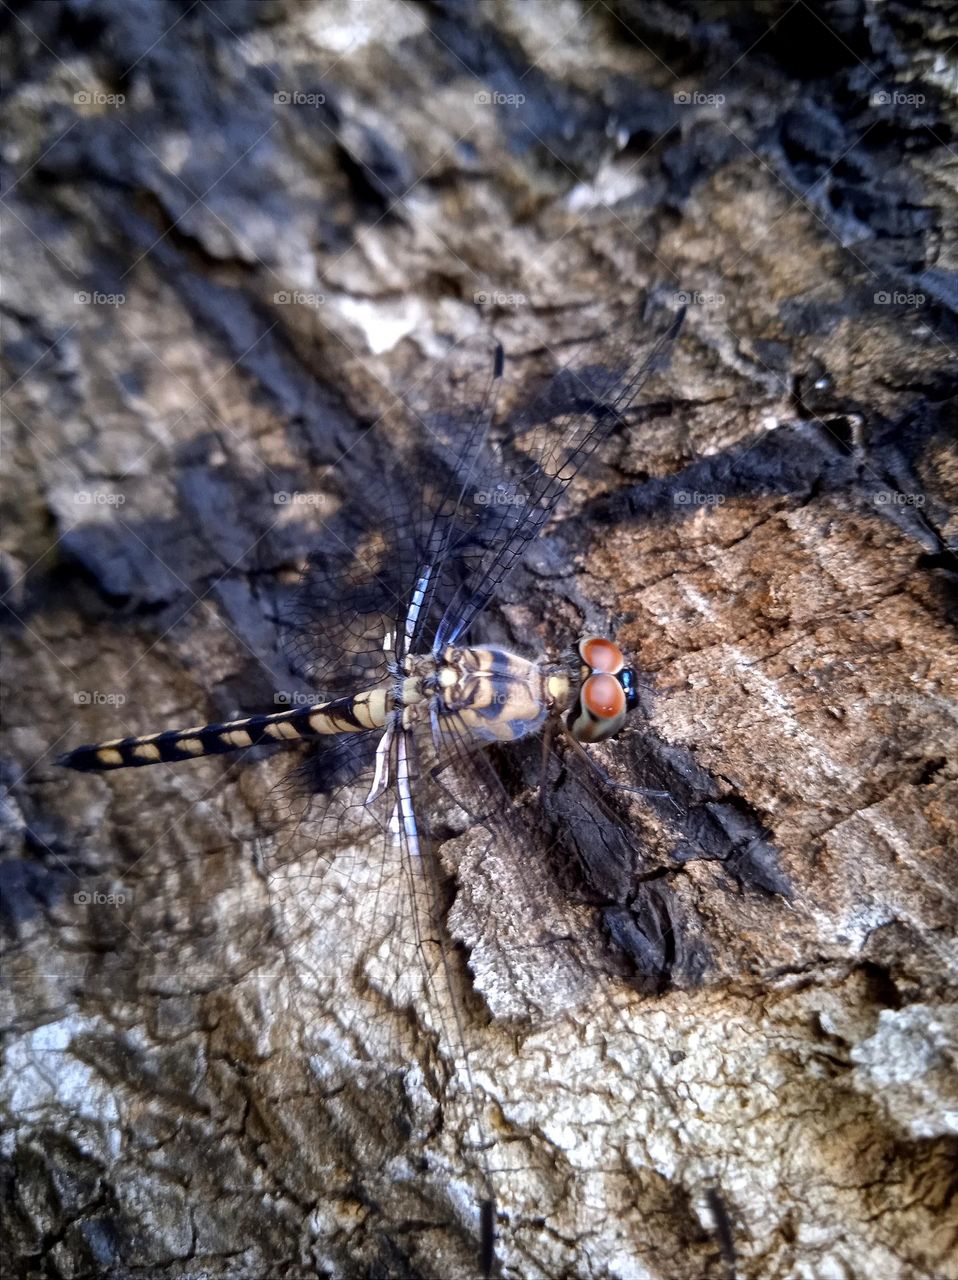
{"points": [[168, 748], [176, 745]]}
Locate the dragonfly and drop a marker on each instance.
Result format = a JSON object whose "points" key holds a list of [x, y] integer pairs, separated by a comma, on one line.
{"points": [[408, 710]]}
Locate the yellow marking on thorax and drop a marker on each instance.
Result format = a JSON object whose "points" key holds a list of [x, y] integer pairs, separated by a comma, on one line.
{"points": [[559, 689], [497, 695], [410, 691]]}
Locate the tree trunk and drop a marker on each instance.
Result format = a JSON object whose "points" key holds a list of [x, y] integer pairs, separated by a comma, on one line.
{"points": [[232, 231]]}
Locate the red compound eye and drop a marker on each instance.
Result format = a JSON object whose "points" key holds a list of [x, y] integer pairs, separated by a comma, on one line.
{"points": [[601, 655], [603, 696]]}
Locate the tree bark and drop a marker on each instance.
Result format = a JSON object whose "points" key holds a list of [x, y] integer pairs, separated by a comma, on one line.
{"points": [[231, 232]]}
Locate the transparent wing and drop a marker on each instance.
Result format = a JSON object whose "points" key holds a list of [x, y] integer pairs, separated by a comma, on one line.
{"points": [[566, 884], [414, 555], [617, 857], [358, 901], [370, 570], [515, 484]]}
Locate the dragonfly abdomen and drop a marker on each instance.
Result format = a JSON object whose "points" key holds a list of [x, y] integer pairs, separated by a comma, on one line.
{"points": [[355, 714]]}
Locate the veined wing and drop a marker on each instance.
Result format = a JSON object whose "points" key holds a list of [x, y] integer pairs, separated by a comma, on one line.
{"points": [[374, 993], [514, 485], [559, 894], [369, 579], [411, 558], [544, 952]]}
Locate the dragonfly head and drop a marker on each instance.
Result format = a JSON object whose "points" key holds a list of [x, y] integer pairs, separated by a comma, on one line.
{"points": [[608, 691]]}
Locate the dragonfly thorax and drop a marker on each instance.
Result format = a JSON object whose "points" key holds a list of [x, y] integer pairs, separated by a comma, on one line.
{"points": [[494, 695]]}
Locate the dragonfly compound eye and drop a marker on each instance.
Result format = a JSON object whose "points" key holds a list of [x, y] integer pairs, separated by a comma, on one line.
{"points": [[600, 654], [600, 709], [603, 697]]}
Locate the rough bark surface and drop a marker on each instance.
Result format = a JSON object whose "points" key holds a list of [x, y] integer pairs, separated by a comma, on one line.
{"points": [[229, 230]]}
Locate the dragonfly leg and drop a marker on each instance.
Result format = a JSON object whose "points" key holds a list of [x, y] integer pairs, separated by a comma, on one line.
{"points": [[381, 776], [607, 779], [547, 737]]}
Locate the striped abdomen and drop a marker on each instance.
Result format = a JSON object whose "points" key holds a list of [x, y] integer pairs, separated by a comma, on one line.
{"points": [[361, 711]]}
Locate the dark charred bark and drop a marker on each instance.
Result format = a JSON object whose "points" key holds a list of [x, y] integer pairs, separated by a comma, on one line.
{"points": [[229, 228]]}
